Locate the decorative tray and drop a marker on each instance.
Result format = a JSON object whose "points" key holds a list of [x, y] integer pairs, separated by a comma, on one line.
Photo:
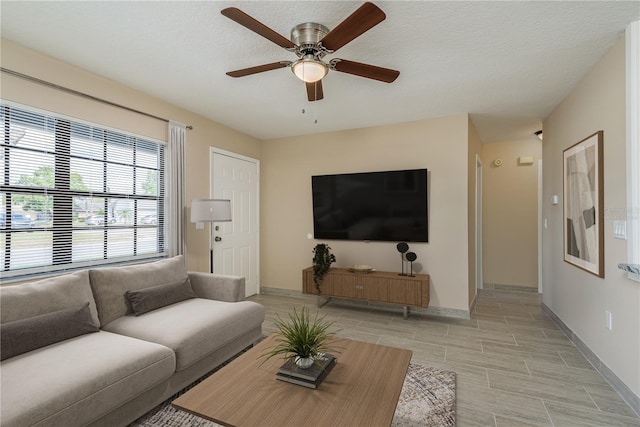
{"points": [[360, 268]]}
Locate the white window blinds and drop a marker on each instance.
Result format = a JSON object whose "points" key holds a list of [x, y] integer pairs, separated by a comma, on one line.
{"points": [[74, 194]]}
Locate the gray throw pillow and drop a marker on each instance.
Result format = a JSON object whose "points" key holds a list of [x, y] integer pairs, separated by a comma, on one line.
{"points": [[21, 336], [148, 299]]}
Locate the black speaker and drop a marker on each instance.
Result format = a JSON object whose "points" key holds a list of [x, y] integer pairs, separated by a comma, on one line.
{"points": [[402, 248], [411, 256]]}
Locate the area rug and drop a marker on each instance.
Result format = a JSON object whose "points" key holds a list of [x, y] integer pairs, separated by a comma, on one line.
{"points": [[427, 399]]}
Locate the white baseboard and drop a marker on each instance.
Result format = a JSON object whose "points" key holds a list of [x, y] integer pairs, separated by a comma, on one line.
{"points": [[614, 381], [430, 311]]}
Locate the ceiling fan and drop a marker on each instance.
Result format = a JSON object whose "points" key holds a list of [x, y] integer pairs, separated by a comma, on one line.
{"points": [[311, 42]]}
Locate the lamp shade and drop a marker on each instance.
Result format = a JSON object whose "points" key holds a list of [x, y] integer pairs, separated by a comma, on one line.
{"points": [[309, 70], [210, 210]]}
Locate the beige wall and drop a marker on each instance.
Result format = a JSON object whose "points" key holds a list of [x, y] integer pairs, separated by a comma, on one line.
{"points": [[474, 153], [440, 145], [205, 133], [510, 213], [577, 297]]}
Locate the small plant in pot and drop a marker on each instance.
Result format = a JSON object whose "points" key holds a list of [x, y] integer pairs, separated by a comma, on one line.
{"points": [[302, 338], [322, 260]]}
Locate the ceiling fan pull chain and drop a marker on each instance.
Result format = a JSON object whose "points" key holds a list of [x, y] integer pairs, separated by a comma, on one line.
{"points": [[315, 108]]}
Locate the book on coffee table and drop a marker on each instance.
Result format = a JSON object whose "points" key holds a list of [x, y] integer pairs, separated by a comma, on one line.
{"points": [[323, 362], [295, 377]]}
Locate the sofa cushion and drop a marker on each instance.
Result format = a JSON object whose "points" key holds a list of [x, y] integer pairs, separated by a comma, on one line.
{"points": [[45, 296], [21, 336], [76, 381], [192, 328], [149, 299], [109, 284]]}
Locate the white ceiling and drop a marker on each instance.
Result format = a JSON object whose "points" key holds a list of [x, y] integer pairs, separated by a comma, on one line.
{"points": [[508, 64]]}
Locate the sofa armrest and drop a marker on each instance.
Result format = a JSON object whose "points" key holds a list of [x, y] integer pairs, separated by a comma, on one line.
{"points": [[217, 286]]}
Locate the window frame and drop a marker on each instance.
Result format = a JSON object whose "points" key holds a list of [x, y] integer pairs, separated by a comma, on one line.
{"points": [[62, 228]]}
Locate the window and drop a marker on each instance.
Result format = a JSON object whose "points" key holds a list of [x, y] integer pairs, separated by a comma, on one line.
{"points": [[74, 194]]}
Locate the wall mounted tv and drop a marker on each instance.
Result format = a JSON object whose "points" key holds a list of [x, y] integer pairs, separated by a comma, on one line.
{"points": [[381, 206]]}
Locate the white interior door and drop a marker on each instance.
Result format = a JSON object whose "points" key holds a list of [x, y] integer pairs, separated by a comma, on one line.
{"points": [[235, 243]]}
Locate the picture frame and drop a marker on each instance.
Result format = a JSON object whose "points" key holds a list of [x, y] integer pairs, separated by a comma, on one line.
{"points": [[583, 204]]}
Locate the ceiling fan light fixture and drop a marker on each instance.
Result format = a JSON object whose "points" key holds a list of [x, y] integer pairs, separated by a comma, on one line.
{"points": [[309, 70]]}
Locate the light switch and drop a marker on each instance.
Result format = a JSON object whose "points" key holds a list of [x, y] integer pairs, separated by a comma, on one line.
{"points": [[554, 199], [620, 230]]}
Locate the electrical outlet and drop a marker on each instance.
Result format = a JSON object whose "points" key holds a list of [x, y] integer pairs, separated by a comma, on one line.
{"points": [[608, 320]]}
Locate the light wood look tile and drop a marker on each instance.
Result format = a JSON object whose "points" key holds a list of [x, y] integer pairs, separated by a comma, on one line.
{"points": [[511, 422], [514, 366], [539, 338], [586, 377], [607, 400], [563, 414], [522, 352], [487, 360], [473, 418], [481, 334], [449, 341], [498, 402], [544, 388]]}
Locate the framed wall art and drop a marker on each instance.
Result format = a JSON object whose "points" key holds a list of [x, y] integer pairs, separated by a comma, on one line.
{"points": [[584, 205]]}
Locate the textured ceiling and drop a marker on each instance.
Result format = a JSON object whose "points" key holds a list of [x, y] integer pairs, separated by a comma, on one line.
{"points": [[508, 64]]}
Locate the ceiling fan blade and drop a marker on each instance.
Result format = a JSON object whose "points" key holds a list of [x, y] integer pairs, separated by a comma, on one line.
{"points": [[314, 91], [386, 75], [363, 19], [258, 69], [256, 26]]}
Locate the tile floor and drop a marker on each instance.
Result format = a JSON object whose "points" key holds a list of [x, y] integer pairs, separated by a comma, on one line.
{"points": [[514, 366]]}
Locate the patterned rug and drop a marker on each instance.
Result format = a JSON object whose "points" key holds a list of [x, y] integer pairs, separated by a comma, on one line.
{"points": [[427, 399]]}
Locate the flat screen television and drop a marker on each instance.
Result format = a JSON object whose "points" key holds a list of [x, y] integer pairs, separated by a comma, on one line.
{"points": [[380, 206]]}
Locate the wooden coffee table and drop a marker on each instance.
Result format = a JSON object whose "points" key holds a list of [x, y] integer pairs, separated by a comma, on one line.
{"points": [[361, 390]]}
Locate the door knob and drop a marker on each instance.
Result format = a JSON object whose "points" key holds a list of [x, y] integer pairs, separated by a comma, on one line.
{"points": [[218, 239]]}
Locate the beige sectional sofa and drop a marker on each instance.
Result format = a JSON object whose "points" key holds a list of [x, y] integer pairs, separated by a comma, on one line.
{"points": [[119, 361]]}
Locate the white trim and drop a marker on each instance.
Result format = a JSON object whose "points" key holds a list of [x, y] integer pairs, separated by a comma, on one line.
{"points": [[478, 212], [633, 144], [216, 150], [540, 226]]}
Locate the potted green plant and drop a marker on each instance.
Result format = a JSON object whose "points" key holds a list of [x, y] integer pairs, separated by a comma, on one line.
{"points": [[302, 337], [322, 260]]}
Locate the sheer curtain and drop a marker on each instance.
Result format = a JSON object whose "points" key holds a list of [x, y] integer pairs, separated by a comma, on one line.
{"points": [[175, 189]]}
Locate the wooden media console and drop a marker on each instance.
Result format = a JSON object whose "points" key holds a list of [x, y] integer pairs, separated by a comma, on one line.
{"points": [[376, 286]]}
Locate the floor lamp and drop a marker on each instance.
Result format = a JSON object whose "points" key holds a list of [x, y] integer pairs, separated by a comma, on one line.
{"points": [[210, 210]]}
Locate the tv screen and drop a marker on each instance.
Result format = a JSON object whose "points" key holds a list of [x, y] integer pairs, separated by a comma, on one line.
{"points": [[382, 206]]}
